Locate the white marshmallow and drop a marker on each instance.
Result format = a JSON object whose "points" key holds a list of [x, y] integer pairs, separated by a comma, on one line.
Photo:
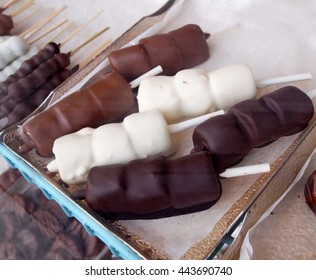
{"points": [[194, 92], [158, 93], [192, 88], [74, 155], [140, 135], [12, 48], [231, 84]]}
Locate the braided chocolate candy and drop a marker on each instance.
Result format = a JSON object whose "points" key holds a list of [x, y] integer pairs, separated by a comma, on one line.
{"points": [[29, 66], [251, 124], [153, 188], [179, 49], [27, 85]]}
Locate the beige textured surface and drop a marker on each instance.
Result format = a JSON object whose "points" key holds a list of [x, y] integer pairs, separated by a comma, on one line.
{"points": [[288, 232]]}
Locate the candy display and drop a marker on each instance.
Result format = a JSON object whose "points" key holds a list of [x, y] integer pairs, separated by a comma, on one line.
{"points": [[110, 99], [179, 49], [153, 188], [140, 135], [251, 124], [109, 152], [29, 65], [138, 189]]}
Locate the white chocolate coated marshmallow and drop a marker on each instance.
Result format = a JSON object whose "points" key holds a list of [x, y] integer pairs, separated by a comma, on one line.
{"points": [[140, 135], [194, 92], [12, 48]]}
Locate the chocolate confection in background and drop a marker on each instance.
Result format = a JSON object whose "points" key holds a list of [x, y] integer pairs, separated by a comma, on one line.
{"points": [[34, 228], [179, 49]]}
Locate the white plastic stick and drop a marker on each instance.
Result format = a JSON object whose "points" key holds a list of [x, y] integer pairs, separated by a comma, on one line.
{"points": [[151, 73], [283, 79], [245, 170], [177, 127]]}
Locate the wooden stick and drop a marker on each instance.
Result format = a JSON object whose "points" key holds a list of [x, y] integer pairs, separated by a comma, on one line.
{"points": [[27, 17], [95, 53], [48, 31], [80, 27], [94, 36], [8, 4], [35, 26], [28, 33], [61, 31], [22, 8]]}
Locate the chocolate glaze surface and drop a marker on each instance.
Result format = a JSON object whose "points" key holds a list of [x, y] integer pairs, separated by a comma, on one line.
{"points": [[251, 124], [108, 100], [179, 49], [153, 188], [6, 24]]}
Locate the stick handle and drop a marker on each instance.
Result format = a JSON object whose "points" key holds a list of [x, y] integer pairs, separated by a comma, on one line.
{"points": [[177, 127], [151, 73], [28, 33], [245, 170], [283, 79], [21, 9]]}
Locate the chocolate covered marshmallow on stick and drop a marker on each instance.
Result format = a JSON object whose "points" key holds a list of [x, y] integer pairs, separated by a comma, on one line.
{"points": [[110, 98], [161, 187]]}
